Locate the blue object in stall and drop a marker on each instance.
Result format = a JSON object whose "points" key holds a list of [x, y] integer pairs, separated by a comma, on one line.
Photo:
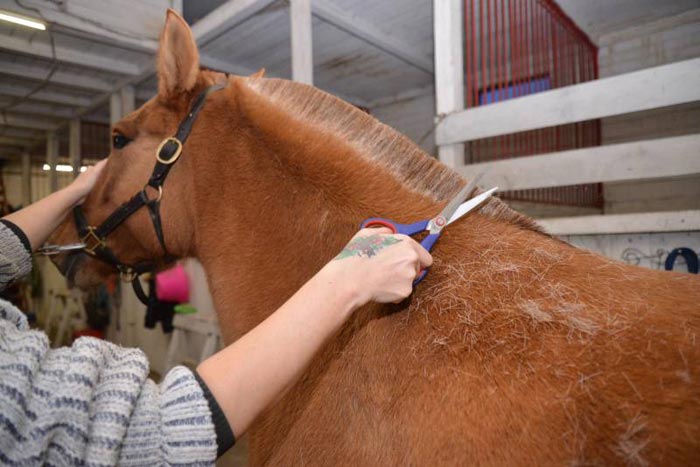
{"points": [[691, 259]]}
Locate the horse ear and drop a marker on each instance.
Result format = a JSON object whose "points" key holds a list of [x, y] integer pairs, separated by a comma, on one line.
{"points": [[258, 74], [178, 58]]}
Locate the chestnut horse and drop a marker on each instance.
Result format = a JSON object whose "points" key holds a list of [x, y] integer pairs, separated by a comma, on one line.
{"points": [[517, 349]]}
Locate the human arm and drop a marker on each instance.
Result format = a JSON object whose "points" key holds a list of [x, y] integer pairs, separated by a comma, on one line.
{"points": [[249, 375], [93, 404], [40, 219]]}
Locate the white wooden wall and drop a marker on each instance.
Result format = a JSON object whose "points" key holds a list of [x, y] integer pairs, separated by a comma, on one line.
{"points": [[656, 43], [412, 116], [647, 250]]}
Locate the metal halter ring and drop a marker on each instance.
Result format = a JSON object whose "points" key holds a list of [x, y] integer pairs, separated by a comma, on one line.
{"points": [[92, 236], [127, 275], [160, 193], [172, 158]]}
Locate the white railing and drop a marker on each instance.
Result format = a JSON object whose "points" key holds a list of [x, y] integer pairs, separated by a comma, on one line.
{"points": [[662, 86]]}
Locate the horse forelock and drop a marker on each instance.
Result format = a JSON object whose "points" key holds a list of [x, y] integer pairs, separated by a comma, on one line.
{"points": [[376, 142]]}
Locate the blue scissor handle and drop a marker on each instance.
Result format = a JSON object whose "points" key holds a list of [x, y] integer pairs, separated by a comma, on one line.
{"points": [[406, 229]]}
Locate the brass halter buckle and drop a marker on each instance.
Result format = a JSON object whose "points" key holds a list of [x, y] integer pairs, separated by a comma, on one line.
{"points": [[172, 158], [92, 241]]}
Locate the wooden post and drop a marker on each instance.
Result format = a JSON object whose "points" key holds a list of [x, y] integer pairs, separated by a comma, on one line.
{"points": [[115, 109], [75, 158], [52, 159], [302, 42], [128, 100], [26, 179], [449, 72]]}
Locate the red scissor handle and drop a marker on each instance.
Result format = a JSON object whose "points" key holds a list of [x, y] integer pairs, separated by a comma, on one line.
{"points": [[380, 223]]}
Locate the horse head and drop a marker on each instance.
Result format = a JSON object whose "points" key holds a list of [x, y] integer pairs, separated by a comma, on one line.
{"points": [[135, 142]]}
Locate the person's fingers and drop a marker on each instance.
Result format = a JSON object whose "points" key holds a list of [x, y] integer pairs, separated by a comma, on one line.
{"points": [[425, 259]]}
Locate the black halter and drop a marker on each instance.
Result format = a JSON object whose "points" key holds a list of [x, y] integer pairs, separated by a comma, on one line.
{"points": [[95, 238]]}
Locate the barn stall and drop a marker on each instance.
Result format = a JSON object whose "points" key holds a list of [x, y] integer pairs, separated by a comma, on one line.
{"points": [[584, 114]]}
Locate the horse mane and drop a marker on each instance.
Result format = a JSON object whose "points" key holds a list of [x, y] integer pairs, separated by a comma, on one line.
{"points": [[376, 142]]}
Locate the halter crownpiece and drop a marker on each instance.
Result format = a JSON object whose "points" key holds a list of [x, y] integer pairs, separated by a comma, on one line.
{"points": [[95, 238]]}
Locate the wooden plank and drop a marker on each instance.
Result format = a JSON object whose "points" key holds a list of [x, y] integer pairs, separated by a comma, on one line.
{"points": [[52, 159], [21, 121], [128, 98], [30, 107], [657, 158], [667, 221], [26, 178], [302, 41], [362, 29], [225, 17], [68, 55], [449, 88], [75, 158], [44, 95], [115, 109], [16, 141], [651, 88], [40, 73]]}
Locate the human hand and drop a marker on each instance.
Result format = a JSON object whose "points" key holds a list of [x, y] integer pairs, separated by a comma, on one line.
{"points": [[380, 266], [81, 186]]}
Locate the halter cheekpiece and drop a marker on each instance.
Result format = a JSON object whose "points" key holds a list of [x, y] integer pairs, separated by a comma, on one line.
{"points": [[94, 238]]}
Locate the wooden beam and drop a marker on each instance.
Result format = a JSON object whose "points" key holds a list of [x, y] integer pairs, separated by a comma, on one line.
{"points": [[68, 55], [26, 178], [651, 88], [226, 16], [115, 109], [128, 98], [16, 141], [61, 77], [75, 158], [31, 107], [302, 41], [21, 121], [224, 66], [45, 95], [666, 221], [657, 158], [52, 159], [363, 29], [449, 87]]}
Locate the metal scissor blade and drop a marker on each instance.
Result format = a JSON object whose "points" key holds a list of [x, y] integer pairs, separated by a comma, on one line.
{"points": [[49, 250], [459, 198], [471, 204]]}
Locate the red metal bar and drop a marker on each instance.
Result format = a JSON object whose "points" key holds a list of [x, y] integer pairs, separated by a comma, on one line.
{"points": [[467, 58], [475, 77]]}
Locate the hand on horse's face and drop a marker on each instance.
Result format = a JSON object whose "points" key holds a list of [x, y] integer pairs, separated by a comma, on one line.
{"points": [[81, 186], [380, 266]]}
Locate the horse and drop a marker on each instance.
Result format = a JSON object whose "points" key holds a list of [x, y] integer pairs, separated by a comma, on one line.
{"points": [[516, 349]]}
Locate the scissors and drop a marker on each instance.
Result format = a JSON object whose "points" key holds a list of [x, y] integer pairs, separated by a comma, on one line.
{"points": [[454, 210], [50, 250]]}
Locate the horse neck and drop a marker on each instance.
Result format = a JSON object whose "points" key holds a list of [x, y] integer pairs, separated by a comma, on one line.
{"points": [[270, 220]]}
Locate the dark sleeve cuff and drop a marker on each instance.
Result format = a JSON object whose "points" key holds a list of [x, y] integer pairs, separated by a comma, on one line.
{"points": [[224, 435], [19, 233]]}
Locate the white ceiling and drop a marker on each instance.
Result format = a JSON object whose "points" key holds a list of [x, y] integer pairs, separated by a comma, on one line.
{"points": [[599, 17], [100, 45]]}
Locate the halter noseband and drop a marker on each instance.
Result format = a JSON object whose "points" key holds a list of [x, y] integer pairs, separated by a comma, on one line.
{"points": [[167, 154]]}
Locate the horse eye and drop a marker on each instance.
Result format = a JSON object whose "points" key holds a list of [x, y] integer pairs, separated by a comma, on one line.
{"points": [[119, 141]]}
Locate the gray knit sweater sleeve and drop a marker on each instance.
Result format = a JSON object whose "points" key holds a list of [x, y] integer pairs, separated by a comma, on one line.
{"points": [[91, 403]]}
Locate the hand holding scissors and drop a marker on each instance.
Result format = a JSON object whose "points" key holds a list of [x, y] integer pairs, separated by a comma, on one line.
{"points": [[454, 210]]}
